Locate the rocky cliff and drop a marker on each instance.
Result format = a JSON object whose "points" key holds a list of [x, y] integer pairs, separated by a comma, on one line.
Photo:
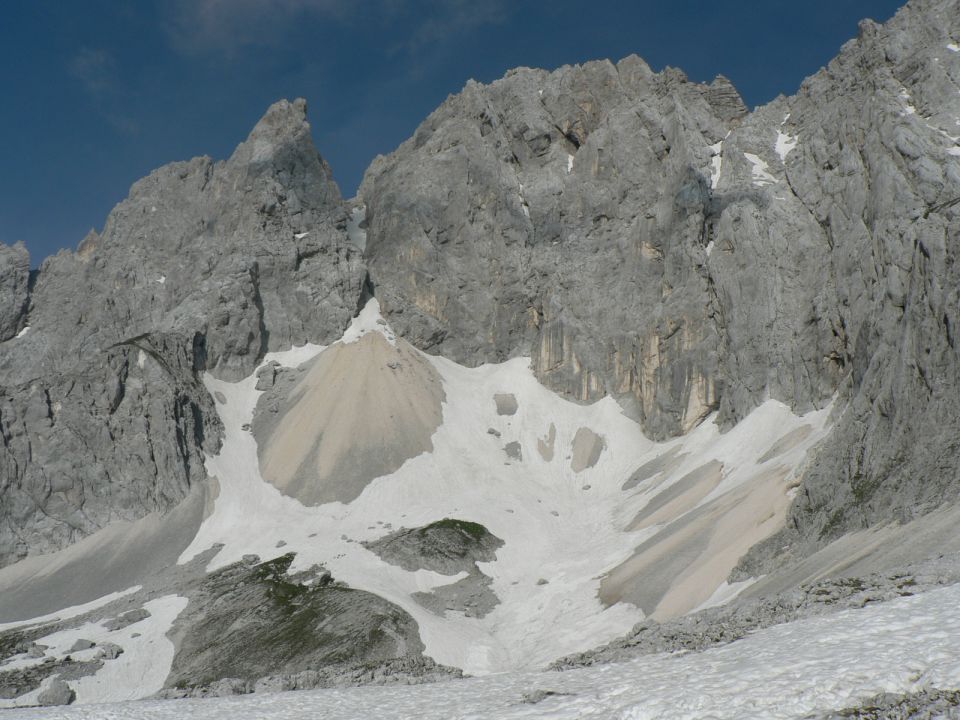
{"points": [[644, 236], [637, 234], [204, 267]]}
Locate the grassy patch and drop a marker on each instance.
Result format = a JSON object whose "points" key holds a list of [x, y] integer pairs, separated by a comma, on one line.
{"points": [[474, 530]]}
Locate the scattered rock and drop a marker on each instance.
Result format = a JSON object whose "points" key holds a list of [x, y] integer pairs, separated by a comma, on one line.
{"points": [[109, 651], [81, 645], [56, 693], [128, 618]]}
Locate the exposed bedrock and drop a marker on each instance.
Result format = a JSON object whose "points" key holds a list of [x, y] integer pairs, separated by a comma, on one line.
{"points": [[204, 267], [449, 547], [640, 235]]}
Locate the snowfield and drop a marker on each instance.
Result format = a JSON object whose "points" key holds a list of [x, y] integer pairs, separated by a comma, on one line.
{"points": [[788, 671], [570, 525]]}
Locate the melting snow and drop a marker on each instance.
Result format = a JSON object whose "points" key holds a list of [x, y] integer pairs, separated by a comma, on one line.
{"points": [[139, 672], [556, 523], [797, 670], [72, 611], [368, 320], [759, 171], [524, 206], [356, 234], [716, 164], [785, 142]]}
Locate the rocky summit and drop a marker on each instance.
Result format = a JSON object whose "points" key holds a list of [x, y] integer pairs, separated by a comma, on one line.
{"points": [[594, 352]]}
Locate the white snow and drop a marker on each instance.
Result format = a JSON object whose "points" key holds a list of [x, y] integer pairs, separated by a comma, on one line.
{"points": [[560, 525], [785, 143], [955, 151], [72, 611], [759, 171], [141, 359], [139, 672], [524, 206], [23, 332], [709, 248], [726, 592], [356, 234], [367, 321], [162, 279], [569, 163], [797, 670], [300, 235], [908, 108], [953, 47], [716, 164]]}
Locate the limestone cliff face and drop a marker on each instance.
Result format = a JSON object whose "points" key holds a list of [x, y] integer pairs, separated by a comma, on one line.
{"points": [[643, 236], [205, 266], [637, 234], [561, 215]]}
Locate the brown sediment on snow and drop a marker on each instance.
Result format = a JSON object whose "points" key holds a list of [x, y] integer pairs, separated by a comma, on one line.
{"points": [[663, 464], [587, 447], [545, 445], [678, 568], [679, 498], [786, 443], [361, 410]]}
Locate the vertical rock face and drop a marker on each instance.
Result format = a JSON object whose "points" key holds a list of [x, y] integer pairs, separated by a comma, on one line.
{"points": [[642, 235], [560, 215], [205, 266], [877, 167], [635, 233], [14, 288]]}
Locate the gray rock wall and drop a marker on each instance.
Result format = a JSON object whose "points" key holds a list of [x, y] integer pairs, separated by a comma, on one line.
{"points": [[696, 257], [204, 267]]}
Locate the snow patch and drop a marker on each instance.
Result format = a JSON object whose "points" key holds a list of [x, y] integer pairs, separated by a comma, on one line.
{"points": [[953, 47], [535, 505], [356, 234], [801, 669], [726, 593], [23, 332], [142, 668], [368, 320], [785, 143], [162, 279], [759, 170], [716, 164], [72, 611], [300, 235], [524, 206], [569, 163]]}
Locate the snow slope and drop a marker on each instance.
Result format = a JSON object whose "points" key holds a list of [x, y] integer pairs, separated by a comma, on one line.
{"points": [[789, 671], [566, 527]]}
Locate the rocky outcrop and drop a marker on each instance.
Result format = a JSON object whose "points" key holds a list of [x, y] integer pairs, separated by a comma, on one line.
{"points": [[14, 289], [560, 215], [204, 267], [641, 235], [448, 547], [253, 623]]}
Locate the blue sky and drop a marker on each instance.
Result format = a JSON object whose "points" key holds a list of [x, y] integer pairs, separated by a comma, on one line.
{"points": [[98, 93]]}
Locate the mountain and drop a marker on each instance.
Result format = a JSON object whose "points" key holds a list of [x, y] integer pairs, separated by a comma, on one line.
{"points": [[595, 348]]}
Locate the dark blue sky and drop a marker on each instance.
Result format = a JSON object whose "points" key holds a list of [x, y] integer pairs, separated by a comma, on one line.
{"points": [[95, 94]]}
